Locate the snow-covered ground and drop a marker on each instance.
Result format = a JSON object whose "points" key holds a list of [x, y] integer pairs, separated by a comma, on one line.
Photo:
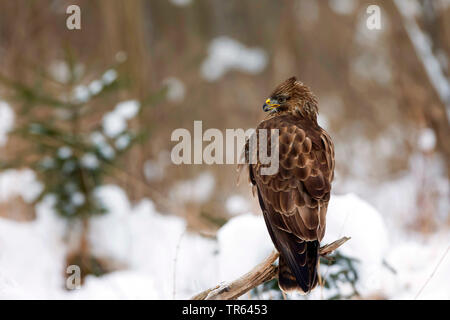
{"points": [[161, 260]]}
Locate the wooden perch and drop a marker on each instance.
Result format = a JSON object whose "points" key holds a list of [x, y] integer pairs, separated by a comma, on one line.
{"points": [[263, 272]]}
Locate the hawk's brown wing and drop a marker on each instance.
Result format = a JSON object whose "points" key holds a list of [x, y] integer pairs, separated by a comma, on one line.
{"points": [[294, 200], [300, 190]]}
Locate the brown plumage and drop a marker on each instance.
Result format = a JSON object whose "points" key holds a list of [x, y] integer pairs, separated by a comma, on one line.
{"points": [[294, 200]]}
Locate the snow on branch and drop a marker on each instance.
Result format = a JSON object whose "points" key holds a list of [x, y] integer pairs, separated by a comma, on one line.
{"points": [[263, 272]]}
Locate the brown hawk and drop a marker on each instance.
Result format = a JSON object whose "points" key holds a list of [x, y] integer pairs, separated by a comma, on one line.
{"points": [[294, 200]]}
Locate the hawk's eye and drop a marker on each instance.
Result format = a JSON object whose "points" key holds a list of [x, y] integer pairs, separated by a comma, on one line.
{"points": [[281, 99]]}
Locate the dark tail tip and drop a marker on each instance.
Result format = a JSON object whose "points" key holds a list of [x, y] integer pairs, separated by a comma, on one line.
{"points": [[299, 274], [286, 279]]}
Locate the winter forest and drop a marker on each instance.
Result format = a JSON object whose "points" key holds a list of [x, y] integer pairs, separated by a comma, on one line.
{"points": [[93, 206]]}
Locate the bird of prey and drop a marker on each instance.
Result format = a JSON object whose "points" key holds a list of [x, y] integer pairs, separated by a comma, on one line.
{"points": [[294, 200]]}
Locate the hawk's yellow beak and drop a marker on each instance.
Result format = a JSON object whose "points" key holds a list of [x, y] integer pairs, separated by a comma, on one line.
{"points": [[270, 105]]}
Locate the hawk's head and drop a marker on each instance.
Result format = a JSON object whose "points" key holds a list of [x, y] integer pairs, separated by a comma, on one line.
{"points": [[294, 97]]}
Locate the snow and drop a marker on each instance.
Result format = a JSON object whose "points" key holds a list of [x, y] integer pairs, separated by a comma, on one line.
{"points": [[127, 109], [60, 71], [22, 183], [90, 161], [159, 259], [81, 94], [344, 7], [197, 190], [77, 199], [154, 249], [107, 151], [372, 67], [47, 162], [427, 140], [99, 140], [118, 285], [244, 242], [136, 235], [9, 289], [351, 216], [176, 89], [181, 3], [64, 152], [414, 263], [84, 93], [372, 243], [348, 215], [109, 76], [237, 204], [115, 122], [226, 54], [396, 198], [95, 87], [154, 169], [32, 256], [123, 141], [6, 121]]}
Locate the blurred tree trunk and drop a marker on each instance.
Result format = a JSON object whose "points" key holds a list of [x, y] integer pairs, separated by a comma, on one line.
{"points": [[126, 30], [435, 115]]}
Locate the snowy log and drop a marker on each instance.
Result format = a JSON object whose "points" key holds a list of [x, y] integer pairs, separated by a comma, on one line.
{"points": [[263, 272]]}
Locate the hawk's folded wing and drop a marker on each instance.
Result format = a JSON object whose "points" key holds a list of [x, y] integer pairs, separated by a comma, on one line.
{"points": [[298, 193]]}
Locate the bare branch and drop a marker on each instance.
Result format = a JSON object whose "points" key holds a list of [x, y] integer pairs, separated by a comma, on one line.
{"points": [[263, 272], [328, 248]]}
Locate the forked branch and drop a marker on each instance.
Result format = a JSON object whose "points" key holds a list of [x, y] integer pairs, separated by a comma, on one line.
{"points": [[263, 272]]}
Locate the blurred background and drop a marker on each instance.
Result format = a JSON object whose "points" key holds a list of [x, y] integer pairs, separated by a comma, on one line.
{"points": [[86, 117]]}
